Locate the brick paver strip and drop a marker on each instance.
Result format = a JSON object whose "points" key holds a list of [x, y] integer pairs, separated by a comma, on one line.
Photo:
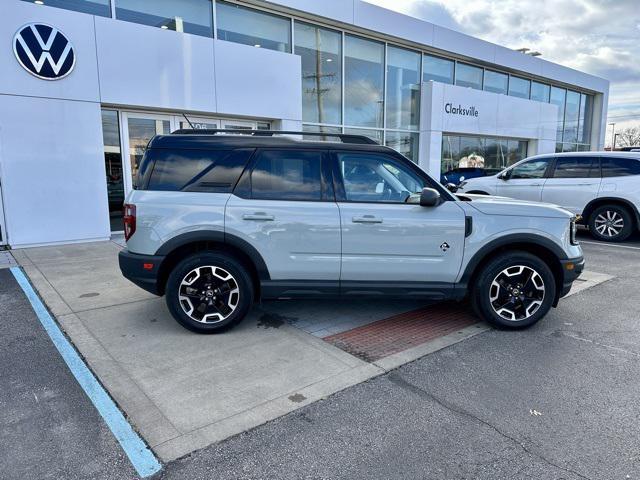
{"points": [[403, 331]]}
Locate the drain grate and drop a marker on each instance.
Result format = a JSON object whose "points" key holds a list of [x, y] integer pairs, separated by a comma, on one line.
{"points": [[400, 332]]}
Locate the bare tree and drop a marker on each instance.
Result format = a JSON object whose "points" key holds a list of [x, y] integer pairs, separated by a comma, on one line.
{"points": [[629, 137]]}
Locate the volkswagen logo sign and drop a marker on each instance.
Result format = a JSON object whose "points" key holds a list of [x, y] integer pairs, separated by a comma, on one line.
{"points": [[44, 51]]}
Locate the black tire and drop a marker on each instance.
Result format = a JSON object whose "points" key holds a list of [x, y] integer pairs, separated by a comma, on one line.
{"points": [[611, 223], [525, 311], [235, 293]]}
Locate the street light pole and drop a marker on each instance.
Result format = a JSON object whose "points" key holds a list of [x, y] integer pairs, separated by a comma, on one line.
{"points": [[613, 135]]}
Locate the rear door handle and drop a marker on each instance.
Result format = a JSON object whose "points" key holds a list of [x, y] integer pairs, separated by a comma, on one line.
{"points": [[258, 216], [366, 219]]}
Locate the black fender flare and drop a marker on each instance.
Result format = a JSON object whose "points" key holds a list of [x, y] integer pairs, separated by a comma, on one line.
{"points": [[218, 237], [510, 239], [591, 206]]}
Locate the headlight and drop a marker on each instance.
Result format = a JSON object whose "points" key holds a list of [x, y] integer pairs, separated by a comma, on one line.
{"points": [[574, 230]]}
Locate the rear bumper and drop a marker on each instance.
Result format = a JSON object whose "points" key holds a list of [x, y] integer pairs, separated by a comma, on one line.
{"points": [[571, 270], [143, 270]]}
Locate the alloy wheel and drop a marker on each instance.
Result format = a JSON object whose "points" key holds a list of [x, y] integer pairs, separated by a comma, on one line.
{"points": [[209, 294], [517, 292], [609, 223]]}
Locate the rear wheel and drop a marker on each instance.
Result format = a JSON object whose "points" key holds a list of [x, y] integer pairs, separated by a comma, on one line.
{"points": [[611, 223], [209, 292], [514, 290]]}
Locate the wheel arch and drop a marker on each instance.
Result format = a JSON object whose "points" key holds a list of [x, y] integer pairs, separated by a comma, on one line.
{"points": [[601, 201], [542, 247], [185, 244]]}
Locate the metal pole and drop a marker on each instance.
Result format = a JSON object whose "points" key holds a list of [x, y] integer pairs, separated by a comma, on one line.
{"points": [[613, 134]]}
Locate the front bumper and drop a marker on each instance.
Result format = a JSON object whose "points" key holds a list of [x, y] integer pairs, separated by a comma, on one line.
{"points": [[143, 270], [571, 270]]}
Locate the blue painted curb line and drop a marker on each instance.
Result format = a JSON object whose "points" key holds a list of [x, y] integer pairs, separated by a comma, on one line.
{"points": [[143, 460]]}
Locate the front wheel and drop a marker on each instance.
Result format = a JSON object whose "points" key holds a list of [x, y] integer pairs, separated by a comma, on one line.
{"points": [[209, 292], [611, 223], [514, 290]]}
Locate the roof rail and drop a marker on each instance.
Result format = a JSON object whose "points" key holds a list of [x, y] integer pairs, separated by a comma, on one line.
{"points": [[344, 137]]}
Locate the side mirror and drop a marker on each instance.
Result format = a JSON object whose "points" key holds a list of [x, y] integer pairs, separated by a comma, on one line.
{"points": [[452, 187], [505, 175], [461, 179], [429, 197]]}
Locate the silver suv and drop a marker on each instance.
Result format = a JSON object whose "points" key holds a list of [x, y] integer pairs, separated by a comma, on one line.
{"points": [[220, 220]]}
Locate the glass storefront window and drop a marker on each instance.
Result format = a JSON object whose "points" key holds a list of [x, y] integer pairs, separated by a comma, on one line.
{"points": [[320, 129], [540, 92], [94, 7], [557, 98], [320, 50], [571, 115], [586, 118], [141, 129], [404, 142], [373, 134], [437, 69], [189, 16], [113, 168], [519, 87], [496, 82], [470, 155], [253, 27], [403, 88], [364, 82], [468, 76]]}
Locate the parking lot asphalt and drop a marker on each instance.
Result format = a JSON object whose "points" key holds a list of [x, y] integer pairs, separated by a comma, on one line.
{"points": [[48, 426], [557, 401], [554, 401]]}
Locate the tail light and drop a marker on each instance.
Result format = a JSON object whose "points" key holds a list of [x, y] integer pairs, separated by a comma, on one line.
{"points": [[129, 220]]}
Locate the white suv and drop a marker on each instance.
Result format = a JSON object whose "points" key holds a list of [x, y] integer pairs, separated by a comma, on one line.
{"points": [[603, 187]]}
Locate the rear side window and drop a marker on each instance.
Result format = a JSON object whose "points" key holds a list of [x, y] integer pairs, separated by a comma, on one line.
{"points": [[620, 167], [576, 167], [214, 171], [287, 175]]}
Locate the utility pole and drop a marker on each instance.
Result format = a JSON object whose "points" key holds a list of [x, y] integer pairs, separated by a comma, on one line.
{"points": [[613, 135]]}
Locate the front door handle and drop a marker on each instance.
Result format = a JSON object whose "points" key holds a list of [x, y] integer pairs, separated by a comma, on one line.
{"points": [[258, 216], [366, 219]]}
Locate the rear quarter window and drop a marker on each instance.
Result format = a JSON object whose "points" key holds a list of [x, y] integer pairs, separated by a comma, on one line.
{"points": [[214, 171], [620, 167]]}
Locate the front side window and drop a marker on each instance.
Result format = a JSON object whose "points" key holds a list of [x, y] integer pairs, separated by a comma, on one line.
{"points": [[468, 76], [530, 169], [437, 69], [252, 27], [620, 167], [189, 16], [320, 50], [94, 7], [287, 175], [576, 167], [377, 178], [364, 82]]}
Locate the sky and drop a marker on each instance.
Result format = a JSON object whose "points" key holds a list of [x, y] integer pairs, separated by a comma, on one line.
{"points": [[601, 37]]}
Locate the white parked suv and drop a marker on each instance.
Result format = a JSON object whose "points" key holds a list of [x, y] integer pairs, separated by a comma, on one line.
{"points": [[602, 187], [218, 221]]}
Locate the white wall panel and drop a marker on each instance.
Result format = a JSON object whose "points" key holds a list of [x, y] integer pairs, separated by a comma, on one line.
{"points": [[80, 84], [372, 17], [150, 67], [257, 82], [53, 171]]}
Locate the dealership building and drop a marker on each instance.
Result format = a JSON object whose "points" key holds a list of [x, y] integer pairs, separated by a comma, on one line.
{"points": [[86, 83]]}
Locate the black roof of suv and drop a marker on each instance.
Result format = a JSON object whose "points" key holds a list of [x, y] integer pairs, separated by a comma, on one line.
{"points": [[205, 139]]}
